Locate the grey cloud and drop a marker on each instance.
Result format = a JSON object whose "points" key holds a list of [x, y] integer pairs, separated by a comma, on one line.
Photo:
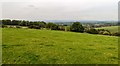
{"points": [[31, 6], [58, 10]]}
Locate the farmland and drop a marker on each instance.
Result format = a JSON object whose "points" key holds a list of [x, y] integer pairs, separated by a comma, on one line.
{"points": [[110, 28], [34, 46]]}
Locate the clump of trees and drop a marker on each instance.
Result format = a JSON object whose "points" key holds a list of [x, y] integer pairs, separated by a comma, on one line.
{"points": [[101, 31], [98, 31], [37, 25]]}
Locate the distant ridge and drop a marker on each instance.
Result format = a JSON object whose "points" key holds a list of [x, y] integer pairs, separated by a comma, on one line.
{"points": [[80, 21]]}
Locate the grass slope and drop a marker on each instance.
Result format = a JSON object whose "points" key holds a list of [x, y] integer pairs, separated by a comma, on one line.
{"points": [[111, 28], [31, 46]]}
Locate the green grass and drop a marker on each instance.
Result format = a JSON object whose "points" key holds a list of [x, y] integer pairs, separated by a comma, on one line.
{"points": [[31, 46], [0, 46], [110, 28]]}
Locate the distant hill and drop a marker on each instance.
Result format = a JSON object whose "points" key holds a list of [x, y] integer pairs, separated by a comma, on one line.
{"points": [[69, 22], [84, 21]]}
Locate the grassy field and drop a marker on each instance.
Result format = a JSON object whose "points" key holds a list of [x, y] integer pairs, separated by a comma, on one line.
{"points": [[31, 46], [110, 28], [0, 46]]}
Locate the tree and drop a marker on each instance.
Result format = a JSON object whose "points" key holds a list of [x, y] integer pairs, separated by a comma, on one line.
{"points": [[24, 23], [15, 22], [61, 27], [6, 22], [52, 26], [77, 27], [42, 24]]}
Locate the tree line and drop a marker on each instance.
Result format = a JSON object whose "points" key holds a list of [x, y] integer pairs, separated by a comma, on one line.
{"points": [[75, 27]]}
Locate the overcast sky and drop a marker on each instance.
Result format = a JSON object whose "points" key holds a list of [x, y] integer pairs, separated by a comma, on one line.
{"points": [[60, 9]]}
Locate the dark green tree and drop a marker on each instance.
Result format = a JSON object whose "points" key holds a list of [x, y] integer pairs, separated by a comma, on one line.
{"points": [[52, 26], [24, 23], [42, 25], [15, 22], [77, 27], [6, 22]]}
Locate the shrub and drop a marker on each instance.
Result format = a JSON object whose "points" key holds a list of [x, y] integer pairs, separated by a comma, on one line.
{"points": [[116, 34], [31, 26], [62, 28], [101, 32], [11, 26], [34, 26], [101, 29], [67, 28], [18, 27], [106, 33], [4, 26], [91, 31]]}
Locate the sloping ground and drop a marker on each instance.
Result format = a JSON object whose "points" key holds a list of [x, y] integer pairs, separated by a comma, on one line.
{"points": [[31, 46], [110, 28]]}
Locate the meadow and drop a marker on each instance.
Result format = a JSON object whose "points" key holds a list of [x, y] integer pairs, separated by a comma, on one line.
{"points": [[112, 29], [34, 46]]}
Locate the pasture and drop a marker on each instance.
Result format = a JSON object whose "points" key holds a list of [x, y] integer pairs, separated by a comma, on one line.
{"points": [[112, 29], [33, 46]]}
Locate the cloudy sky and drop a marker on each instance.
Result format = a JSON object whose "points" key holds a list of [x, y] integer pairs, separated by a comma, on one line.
{"points": [[59, 9]]}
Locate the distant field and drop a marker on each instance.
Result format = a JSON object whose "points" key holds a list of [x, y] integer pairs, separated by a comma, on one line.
{"points": [[110, 28], [31, 46]]}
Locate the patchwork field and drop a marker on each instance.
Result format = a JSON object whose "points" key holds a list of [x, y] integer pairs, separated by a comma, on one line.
{"points": [[31, 46]]}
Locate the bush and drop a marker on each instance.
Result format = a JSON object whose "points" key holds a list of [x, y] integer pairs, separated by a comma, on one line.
{"points": [[31, 26], [67, 28], [91, 31], [106, 33], [4, 26], [18, 27], [101, 32], [37, 27], [62, 28], [101, 29], [34, 26], [116, 34], [11, 26]]}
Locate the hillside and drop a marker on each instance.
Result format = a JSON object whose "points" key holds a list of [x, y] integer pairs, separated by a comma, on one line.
{"points": [[24, 46], [110, 28]]}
